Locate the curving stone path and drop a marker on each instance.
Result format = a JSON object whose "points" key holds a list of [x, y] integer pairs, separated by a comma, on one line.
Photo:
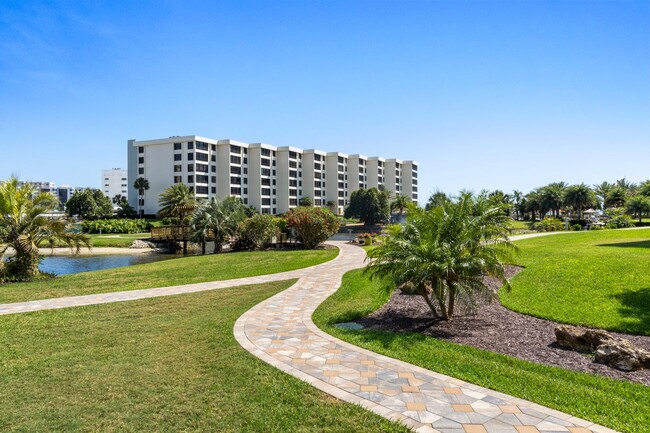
{"points": [[280, 332]]}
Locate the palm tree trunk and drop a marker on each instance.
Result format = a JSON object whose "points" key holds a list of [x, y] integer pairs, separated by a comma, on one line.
{"points": [[431, 305], [203, 247], [452, 301]]}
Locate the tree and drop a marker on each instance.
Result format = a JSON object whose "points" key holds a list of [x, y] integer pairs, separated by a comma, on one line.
{"points": [[579, 197], [305, 201], [89, 204], [532, 204], [369, 205], [616, 197], [313, 225], [518, 199], [551, 199], [218, 219], [638, 205], [177, 202], [400, 203], [444, 253], [602, 191], [644, 188], [141, 184], [438, 198], [24, 227]]}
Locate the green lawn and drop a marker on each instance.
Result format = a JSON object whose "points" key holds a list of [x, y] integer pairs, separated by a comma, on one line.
{"points": [[164, 364], [521, 225], [599, 279], [619, 405], [122, 240], [185, 270]]}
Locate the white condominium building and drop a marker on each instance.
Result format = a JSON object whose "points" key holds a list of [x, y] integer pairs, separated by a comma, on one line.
{"points": [[115, 182], [272, 179]]}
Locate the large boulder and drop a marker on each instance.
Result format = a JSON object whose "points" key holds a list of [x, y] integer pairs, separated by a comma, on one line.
{"points": [[581, 340], [622, 355]]}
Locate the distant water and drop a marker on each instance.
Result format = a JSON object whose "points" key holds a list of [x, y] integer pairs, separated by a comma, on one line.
{"points": [[62, 265]]}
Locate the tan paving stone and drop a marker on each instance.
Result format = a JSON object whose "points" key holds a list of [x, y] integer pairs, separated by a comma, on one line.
{"points": [[415, 406], [526, 429], [462, 408], [509, 408], [452, 390], [474, 428]]}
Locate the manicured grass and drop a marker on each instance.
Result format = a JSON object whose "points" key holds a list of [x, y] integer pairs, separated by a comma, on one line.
{"points": [[599, 279], [619, 405], [185, 270], [122, 240], [521, 225], [163, 364]]}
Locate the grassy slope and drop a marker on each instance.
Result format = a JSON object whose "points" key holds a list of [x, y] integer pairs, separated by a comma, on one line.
{"points": [[163, 364], [599, 279], [618, 405], [184, 270], [122, 240]]}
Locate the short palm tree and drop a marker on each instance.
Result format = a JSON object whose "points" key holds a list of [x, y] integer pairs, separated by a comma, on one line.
{"points": [[444, 253], [400, 204], [638, 206], [579, 197], [216, 219], [141, 184], [177, 201], [24, 227]]}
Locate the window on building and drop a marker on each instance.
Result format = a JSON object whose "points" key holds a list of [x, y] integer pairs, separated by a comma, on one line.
{"points": [[293, 202], [190, 156], [213, 189], [141, 170], [141, 160], [213, 169], [178, 179], [190, 179], [292, 155], [293, 164], [293, 192], [177, 146], [245, 190], [201, 156], [213, 147], [267, 182], [265, 171], [236, 180], [140, 149], [178, 157], [235, 170], [341, 202], [201, 145], [201, 189], [293, 173], [235, 159], [235, 190], [190, 167], [190, 145], [266, 152], [266, 202], [213, 158], [201, 178], [317, 166], [235, 149], [203, 168], [266, 191], [214, 179], [265, 162]]}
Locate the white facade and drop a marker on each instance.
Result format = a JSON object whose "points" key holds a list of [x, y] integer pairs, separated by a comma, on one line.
{"points": [[272, 179], [114, 182]]}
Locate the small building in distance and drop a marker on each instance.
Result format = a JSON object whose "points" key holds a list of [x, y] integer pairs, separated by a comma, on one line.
{"points": [[114, 182]]}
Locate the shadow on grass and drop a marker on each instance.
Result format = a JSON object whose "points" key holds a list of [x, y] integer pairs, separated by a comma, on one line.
{"points": [[635, 306], [639, 244]]}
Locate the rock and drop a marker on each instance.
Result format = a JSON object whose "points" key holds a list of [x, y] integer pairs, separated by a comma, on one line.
{"points": [[141, 243], [581, 340], [622, 355]]}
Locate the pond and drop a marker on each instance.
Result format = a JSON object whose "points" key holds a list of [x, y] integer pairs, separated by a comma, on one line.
{"points": [[62, 265]]}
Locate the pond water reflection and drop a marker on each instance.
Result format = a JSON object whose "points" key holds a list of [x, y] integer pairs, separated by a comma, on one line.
{"points": [[62, 265]]}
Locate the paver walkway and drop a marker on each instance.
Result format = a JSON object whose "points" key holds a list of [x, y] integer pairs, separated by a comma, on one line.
{"points": [[280, 332]]}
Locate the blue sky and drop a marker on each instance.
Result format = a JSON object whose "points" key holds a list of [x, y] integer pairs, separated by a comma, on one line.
{"points": [[484, 94]]}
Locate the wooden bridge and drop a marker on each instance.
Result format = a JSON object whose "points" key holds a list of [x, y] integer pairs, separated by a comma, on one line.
{"points": [[176, 234]]}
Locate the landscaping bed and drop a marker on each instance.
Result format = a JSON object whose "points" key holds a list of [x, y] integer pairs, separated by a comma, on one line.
{"points": [[495, 328]]}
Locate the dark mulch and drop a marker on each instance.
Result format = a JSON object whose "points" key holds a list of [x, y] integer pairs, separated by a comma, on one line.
{"points": [[495, 328]]}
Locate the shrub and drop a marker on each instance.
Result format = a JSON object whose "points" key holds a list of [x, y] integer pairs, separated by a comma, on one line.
{"points": [[549, 225], [116, 226], [313, 225], [255, 232], [621, 222], [576, 227]]}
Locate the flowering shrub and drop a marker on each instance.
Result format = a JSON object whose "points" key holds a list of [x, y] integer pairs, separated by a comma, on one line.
{"points": [[313, 225]]}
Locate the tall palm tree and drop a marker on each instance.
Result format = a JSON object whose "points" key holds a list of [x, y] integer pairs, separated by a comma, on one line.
{"points": [[550, 198], [579, 197], [518, 197], [218, 219], [141, 184], [532, 204], [24, 227], [616, 197], [400, 203], [602, 191], [177, 201], [644, 188], [443, 254]]}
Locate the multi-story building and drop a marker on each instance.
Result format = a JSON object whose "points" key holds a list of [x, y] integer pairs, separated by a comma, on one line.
{"points": [[272, 179], [115, 182]]}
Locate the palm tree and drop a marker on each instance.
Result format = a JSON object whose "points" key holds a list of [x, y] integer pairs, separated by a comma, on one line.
{"points": [[532, 204], [400, 203], [616, 197], [638, 205], [518, 197], [217, 219], [141, 184], [602, 191], [177, 201], [443, 254], [644, 188], [24, 228], [579, 197], [550, 198]]}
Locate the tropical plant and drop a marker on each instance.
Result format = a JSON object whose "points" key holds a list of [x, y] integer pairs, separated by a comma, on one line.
{"points": [[551, 198], [24, 227], [518, 199], [216, 219], [120, 225], [443, 254], [142, 185], [177, 202], [369, 205], [400, 204], [257, 232], [89, 204], [638, 205], [532, 204], [305, 201], [438, 198], [313, 225], [549, 225], [602, 191], [616, 197], [579, 197], [644, 188]]}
